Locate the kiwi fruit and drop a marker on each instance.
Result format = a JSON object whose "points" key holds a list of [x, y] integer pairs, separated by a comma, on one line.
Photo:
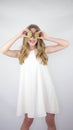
{"points": [[36, 35], [29, 34]]}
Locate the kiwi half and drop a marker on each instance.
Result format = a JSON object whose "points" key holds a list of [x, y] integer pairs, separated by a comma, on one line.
{"points": [[36, 35], [29, 34]]}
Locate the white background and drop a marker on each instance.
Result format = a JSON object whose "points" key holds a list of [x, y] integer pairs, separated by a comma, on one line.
{"points": [[55, 18]]}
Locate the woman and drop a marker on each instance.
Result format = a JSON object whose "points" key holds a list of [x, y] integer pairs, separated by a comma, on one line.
{"points": [[36, 96]]}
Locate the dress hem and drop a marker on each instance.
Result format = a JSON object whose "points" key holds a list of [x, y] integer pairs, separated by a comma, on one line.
{"points": [[36, 116]]}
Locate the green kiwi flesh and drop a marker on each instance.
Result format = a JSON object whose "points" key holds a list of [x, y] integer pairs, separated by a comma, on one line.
{"points": [[36, 35], [29, 34]]}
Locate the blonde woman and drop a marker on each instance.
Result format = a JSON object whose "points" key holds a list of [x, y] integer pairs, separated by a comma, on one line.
{"points": [[36, 97]]}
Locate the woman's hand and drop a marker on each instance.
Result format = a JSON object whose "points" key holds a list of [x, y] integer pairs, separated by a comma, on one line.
{"points": [[42, 35], [23, 33]]}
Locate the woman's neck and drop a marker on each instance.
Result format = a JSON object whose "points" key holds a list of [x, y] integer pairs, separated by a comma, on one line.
{"points": [[32, 48]]}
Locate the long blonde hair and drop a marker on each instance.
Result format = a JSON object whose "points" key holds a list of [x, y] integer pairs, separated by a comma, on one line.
{"points": [[40, 46]]}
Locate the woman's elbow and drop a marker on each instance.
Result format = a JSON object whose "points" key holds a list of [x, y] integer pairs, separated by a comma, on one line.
{"points": [[68, 43]]}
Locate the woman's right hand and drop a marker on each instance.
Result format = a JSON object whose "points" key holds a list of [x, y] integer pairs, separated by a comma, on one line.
{"points": [[23, 33]]}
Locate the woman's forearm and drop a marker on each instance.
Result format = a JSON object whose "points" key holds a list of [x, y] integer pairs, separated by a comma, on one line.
{"points": [[58, 40], [8, 44]]}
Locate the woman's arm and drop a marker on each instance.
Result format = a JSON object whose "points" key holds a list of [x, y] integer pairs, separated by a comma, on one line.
{"points": [[61, 43], [5, 48]]}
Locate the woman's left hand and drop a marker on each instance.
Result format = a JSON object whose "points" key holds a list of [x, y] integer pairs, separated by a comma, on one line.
{"points": [[43, 35]]}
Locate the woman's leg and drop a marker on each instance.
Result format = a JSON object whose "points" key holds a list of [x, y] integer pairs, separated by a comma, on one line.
{"points": [[50, 121], [26, 123]]}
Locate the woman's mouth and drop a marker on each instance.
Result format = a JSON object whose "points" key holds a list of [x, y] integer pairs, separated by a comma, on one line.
{"points": [[32, 41]]}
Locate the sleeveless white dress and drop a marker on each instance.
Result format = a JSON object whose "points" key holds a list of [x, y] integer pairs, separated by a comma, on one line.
{"points": [[36, 94]]}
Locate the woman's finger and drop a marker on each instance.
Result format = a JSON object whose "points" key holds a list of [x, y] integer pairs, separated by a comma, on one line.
{"points": [[26, 31], [40, 38]]}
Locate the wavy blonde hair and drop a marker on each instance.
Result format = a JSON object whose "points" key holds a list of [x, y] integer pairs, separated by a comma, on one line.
{"points": [[40, 47]]}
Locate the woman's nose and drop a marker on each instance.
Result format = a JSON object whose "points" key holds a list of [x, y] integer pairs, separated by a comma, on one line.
{"points": [[32, 37]]}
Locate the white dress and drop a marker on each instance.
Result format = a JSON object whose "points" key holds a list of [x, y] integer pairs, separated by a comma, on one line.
{"points": [[36, 94]]}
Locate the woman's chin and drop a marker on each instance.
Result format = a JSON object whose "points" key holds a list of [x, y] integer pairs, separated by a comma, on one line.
{"points": [[32, 43]]}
